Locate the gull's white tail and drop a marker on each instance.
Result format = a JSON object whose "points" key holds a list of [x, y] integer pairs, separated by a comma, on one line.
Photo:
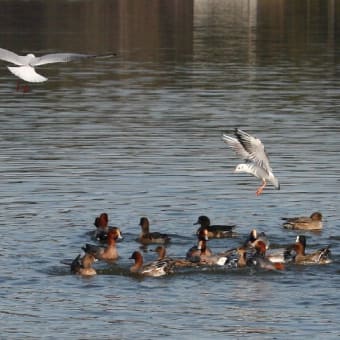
{"points": [[27, 73]]}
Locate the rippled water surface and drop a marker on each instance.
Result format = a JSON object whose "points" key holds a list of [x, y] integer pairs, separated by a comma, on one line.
{"points": [[139, 134]]}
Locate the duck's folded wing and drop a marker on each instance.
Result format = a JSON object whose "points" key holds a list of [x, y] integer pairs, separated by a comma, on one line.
{"points": [[322, 254], [76, 264], [155, 268], [304, 219], [66, 262], [91, 248], [221, 228], [298, 223], [288, 218]]}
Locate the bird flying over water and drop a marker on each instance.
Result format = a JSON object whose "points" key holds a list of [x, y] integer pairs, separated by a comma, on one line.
{"points": [[253, 152], [25, 68]]}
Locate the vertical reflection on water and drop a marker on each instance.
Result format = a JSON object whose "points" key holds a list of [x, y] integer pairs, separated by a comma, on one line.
{"points": [[137, 29]]}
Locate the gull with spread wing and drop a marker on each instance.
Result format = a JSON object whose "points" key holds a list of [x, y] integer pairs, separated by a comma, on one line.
{"points": [[252, 150], [25, 68]]}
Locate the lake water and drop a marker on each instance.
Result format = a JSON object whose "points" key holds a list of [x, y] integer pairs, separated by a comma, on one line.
{"points": [[139, 134]]}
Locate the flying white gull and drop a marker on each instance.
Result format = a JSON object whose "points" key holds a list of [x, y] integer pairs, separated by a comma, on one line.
{"points": [[26, 64], [252, 150]]}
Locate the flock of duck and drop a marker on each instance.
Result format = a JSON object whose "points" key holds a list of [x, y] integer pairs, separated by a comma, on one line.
{"points": [[252, 252]]}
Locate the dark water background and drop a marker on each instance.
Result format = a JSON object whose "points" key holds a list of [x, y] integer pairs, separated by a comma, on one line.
{"points": [[140, 134]]}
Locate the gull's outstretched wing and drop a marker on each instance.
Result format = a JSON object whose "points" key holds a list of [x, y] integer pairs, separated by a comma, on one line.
{"points": [[11, 57], [236, 146], [254, 147], [59, 58]]}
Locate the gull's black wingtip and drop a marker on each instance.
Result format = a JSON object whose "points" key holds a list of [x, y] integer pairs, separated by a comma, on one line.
{"points": [[106, 55], [238, 131]]}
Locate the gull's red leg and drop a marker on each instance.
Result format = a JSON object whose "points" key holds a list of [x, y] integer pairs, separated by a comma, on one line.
{"points": [[25, 88], [260, 189]]}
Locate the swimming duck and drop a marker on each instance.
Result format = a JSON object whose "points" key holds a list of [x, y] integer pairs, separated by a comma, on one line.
{"points": [[286, 255], [147, 237], [314, 222], [255, 237], [109, 253], [161, 251], [221, 259], [214, 260], [214, 231], [297, 251], [259, 260], [177, 262], [237, 258], [279, 256], [83, 265], [242, 256], [102, 227], [155, 268], [195, 252]]}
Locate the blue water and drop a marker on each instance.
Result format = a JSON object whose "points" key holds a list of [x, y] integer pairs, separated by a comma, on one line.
{"points": [[140, 135]]}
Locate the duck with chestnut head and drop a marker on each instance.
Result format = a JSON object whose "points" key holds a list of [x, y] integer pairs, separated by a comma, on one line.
{"points": [[108, 253]]}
